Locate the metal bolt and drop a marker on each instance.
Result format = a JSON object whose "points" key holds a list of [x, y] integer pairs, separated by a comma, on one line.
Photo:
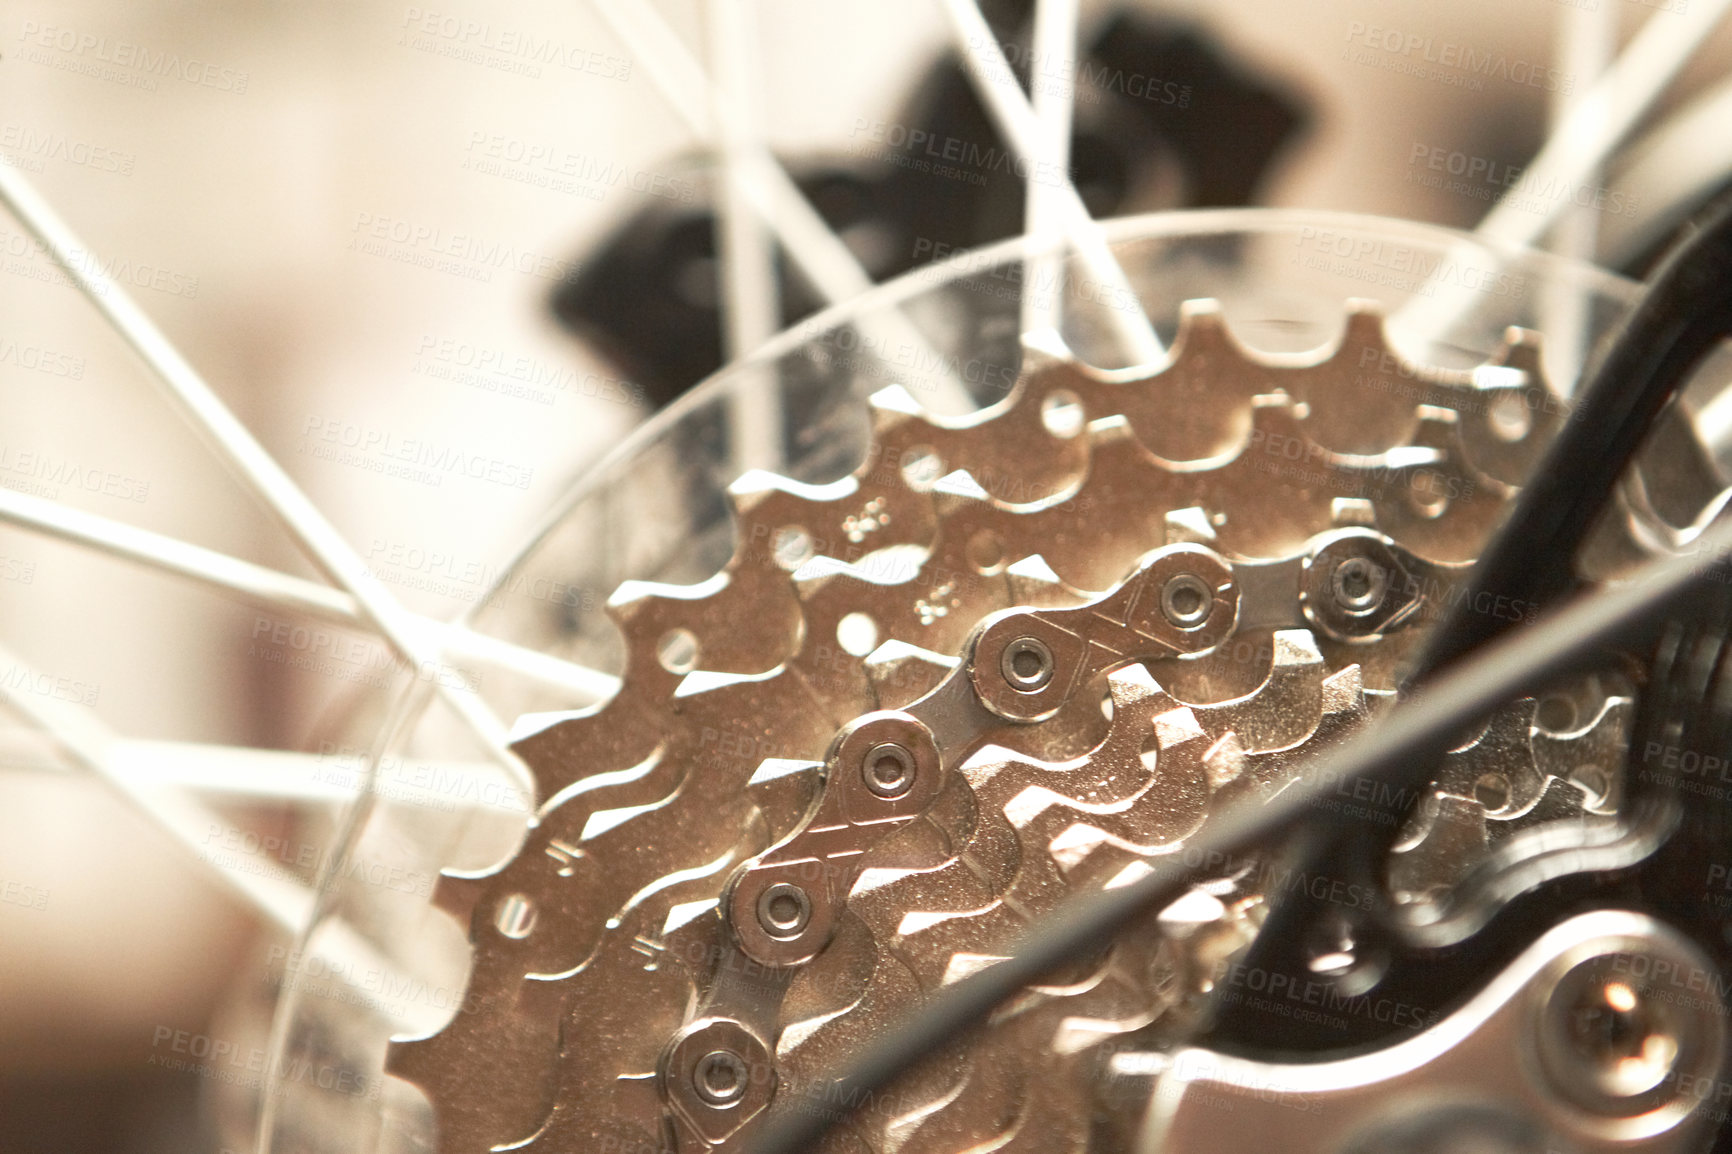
{"points": [[1186, 600], [1609, 1044], [720, 1078], [888, 770], [1026, 664], [1613, 1029], [1359, 584], [783, 911]]}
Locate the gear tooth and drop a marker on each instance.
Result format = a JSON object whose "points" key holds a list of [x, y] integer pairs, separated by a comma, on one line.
{"points": [[1295, 648], [1345, 512], [1203, 331], [902, 673], [1366, 328], [1344, 690], [977, 504], [792, 792], [1113, 429], [1271, 414], [1432, 863], [958, 487], [1043, 349], [412, 1059], [1033, 583], [1191, 525], [1194, 406], [1033, 572], [1177, 727], [458, 895], [1073, 846], [1521, 349], [1225, 761], [1132, 684], [1498, 450], [895, 402], [751, 484]]}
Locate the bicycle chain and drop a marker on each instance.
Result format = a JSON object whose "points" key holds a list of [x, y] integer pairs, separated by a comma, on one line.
{"points": [[702, 763]]}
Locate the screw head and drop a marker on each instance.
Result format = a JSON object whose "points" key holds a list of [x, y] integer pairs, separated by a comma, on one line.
{"points": [[784, 909], [1358, 584], [1026, 664], [719, 1077], [888, 770], [1186, 600], [1610, 1044]]}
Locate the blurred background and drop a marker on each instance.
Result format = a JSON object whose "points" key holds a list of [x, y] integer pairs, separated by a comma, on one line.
{"points": [[391, 233]]}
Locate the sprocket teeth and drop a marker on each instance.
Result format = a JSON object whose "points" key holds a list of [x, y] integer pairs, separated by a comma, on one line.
{"points": [[1023, 461], [458, 895], [495, 1103], [657, 621], [1195, 406], [1376, 413], [1053, 492], [902, 674], [1032, 582], [781, 523], [1284, 711], [1513, 412]]}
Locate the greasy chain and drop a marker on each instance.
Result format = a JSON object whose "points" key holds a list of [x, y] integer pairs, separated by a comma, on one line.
{"points": [[1011, 658]]}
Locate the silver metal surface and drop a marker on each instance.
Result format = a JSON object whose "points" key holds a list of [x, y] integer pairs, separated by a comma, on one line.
{"points": [[1607, 1034], [1092, 634]]}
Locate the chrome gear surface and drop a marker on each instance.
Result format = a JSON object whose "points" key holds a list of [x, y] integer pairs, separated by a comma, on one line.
{"points": [[1009, 659]]}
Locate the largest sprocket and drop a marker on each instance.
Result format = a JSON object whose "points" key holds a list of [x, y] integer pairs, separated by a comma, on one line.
{"points": [[727, 888]]}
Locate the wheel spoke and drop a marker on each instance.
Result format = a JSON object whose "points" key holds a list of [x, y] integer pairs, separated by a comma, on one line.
{"points": [[89, 744], [236, 446], [1053, 97], [751, 309], [1595, 125], [1586, 38], [821, 256], [271, 589], [1017, 124]]}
